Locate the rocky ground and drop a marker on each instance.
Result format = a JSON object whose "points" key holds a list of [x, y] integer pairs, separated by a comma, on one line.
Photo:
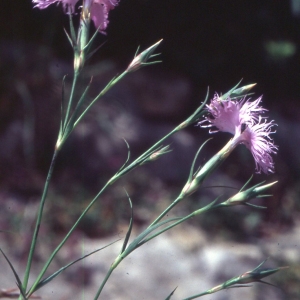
{"points": [[185, 258]]}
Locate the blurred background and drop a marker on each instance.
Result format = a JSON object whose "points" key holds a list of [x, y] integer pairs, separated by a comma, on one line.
{"points": [[211, 44]]}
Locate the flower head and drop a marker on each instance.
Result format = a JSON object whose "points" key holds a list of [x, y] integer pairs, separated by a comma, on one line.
{"points": [[257, 139], [98, 11], [228, 116], [68, 5], [243, 119]]}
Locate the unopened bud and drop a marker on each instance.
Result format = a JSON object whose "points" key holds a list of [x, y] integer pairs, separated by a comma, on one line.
{"points": [[237, 92], [256, 275], [142, 59], [192, 185], [243, 196], [242, 90], [157, 154]]}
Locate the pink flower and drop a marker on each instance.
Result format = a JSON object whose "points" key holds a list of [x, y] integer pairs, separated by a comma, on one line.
{"points": [[257, 139], [243, 119], [67, 4], [99, 9], [228, 116]]}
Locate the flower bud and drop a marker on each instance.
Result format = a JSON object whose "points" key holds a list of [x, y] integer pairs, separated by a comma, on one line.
{"points": [[243, 196], [141, 59], [157, 154], [256, 275], [193, 184]]}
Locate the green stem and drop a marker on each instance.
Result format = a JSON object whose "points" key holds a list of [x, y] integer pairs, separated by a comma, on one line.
{"points": [[193, 214], [32, 289], [175, 202], [112, 180], [130, 167], [70, 99], [129, 249], [107, 88], [111, 269], [199, 295], [38, 221]]}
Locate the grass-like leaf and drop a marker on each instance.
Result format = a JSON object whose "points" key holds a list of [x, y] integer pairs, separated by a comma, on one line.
{"points": [[90, 54], [19, 283], [192, 173], [129, 227], [138, 241], [51, 277], [72, 29], [169, 297], [62, 105], [128, 156], [72, 43], [226, 95], [180, 220]]}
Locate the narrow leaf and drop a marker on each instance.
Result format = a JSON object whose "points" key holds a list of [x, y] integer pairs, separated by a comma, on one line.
{"points": [[256, 206], [71, 123], [90, 54], [137, 51], [241, 91], [169, 297], [69, 39], [88, 45], [136, 242], [194, 161], [62, 110], [82, 98], [226, 95], [49, 278], [19, 283], [129, 227], [196, 115], [248, 181], [260, 265], [128, 156], [73, 34]]}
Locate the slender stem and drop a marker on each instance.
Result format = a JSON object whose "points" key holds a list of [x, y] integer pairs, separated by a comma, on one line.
{"points": [[111, 269], [193, 214], [38, 221], [70, 99], [141, 157], [175, 202], [129, 250], [198, 295], [103, 283], [32, 289], [112, 180], [108, 87]]}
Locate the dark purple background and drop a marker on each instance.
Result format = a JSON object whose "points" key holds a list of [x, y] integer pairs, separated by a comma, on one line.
{"points": [[213, 42]]}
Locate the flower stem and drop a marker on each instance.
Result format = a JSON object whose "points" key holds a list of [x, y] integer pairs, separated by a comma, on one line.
{"points": [[202, 210], [108, 87], [32, 289], [66, 117], [174, 203], [38, 221], [111, 269], [129, 249]]}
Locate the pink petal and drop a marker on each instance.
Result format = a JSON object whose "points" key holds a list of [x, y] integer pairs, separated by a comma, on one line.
{"points": [[99, 13]]}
